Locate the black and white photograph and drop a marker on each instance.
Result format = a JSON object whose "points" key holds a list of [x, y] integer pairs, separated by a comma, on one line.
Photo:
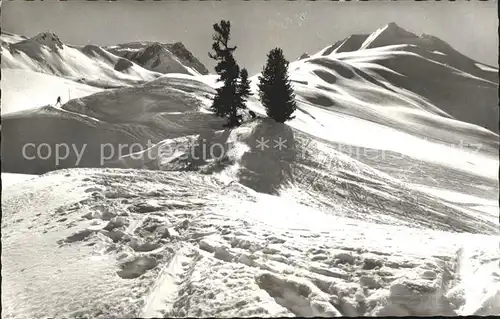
{"points": [[164, 159]]}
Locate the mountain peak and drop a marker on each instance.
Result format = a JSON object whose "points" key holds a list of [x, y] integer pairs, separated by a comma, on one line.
{"points": [[159, 57], [180, 50], [152, 51], [303, 56], [393, 25], [155, 46], [391, 33], [49, 39], [395, 30]]}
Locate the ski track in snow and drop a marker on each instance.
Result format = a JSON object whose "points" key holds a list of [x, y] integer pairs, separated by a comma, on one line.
{"points": [[161, 298]]}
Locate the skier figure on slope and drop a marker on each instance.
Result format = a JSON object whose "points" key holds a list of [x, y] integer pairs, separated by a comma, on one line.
{"points": [[58, 101]]}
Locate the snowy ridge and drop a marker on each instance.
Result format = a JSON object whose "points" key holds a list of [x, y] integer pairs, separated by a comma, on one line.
{"points": [[166, 108], [352, 43], [373, 36]]}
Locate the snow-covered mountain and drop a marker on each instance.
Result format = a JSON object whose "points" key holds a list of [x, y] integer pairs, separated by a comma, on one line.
{"points": [[45, 53], [105, 67], [382, 199], [304, 56], [160, 57], [438, 78]]}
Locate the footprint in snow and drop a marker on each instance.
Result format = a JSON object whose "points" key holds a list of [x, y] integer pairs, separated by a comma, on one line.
{"points": [[136, 267]]}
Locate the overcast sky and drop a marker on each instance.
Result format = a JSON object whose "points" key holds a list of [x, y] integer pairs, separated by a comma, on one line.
{"points": [[257, 26]]}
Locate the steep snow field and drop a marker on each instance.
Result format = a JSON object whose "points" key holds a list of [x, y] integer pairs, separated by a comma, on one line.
{"points": [[382, 200]]}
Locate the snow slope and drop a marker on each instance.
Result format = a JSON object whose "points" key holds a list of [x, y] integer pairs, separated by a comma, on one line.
{"points": [[24, 89], [319, 174], [166, 108], [393, 57], [132, 243]]}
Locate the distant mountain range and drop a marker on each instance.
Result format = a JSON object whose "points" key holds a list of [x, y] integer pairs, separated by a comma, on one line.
{"points": [[106, 67]]}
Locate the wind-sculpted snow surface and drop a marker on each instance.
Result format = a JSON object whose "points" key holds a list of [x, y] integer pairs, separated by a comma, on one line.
{"points": [[128, 243]]}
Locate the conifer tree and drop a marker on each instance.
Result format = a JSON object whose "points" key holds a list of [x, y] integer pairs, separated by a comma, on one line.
{"points": [[275, 88], [226, 101], [243, 89]]}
